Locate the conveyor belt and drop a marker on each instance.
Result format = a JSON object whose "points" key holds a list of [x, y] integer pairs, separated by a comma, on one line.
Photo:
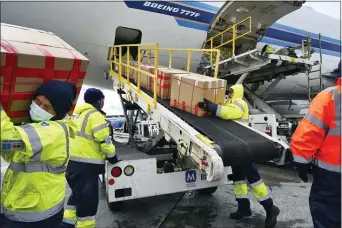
{"points": [[239, 145]]}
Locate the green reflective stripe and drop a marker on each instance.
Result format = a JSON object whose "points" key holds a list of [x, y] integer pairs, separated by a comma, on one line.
{"points": [[36, 168], [88, 218], [237, 103], [301, 159], [327, 166], [33, 216], [99, 128], [86, 160], [256, 184], [65, 128], [35, 142], [69, 221], [319, 123]]}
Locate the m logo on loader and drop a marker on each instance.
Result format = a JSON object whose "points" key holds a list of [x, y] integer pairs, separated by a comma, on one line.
{"points": [[190, 176]]}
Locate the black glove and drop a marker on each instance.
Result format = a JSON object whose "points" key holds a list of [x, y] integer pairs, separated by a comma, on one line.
{"points": [[114, 159], [208, 105], [302, 170]]}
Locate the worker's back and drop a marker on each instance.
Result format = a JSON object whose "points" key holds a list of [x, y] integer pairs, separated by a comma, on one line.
{"points": [[319, 134], [87, 147], [317, 144]]}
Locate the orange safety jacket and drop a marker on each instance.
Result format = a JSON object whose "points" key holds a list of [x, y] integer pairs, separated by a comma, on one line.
{"points": [[317, 139]]}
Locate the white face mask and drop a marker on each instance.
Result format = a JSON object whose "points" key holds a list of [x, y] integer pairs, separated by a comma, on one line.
{"points": [[38, 114]]}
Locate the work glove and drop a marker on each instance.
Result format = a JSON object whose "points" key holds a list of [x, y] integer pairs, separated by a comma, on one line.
{"points": [[113, 160], [302, 170], [208, 106]]}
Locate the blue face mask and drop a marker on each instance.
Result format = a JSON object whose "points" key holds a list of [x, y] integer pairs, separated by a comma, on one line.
{"points": [[38, 114]]}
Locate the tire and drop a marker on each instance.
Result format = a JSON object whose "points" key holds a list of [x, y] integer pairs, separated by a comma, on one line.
{"points": [[115, 206], [207, 191]]}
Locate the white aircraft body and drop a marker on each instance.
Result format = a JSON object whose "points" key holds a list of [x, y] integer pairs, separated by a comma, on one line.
{"points": [[91, 27]]}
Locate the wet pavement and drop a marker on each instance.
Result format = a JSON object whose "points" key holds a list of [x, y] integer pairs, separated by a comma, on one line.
{"points": [[198, 211]]}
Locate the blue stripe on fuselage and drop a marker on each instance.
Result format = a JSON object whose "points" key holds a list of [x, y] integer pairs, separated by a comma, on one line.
{"points": [[190, 17], [172, 9]]}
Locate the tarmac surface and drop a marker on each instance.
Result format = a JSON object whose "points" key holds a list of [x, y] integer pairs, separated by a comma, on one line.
{"points": [[184, 210]]}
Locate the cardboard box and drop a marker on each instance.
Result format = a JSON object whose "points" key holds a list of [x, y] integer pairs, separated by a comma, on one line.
{"points": [[145, 80], [164, 81], [189, 89], [30, 57]]}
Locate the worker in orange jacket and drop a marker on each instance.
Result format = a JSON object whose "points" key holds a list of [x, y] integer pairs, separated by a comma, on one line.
{"points": [[316, 144]]}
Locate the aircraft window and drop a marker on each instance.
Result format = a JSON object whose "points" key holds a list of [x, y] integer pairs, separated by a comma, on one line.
{"points": [[124, 35]]}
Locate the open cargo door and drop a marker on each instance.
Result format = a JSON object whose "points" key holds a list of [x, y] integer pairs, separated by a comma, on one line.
{"points": [[261, 14], [30, 57]]}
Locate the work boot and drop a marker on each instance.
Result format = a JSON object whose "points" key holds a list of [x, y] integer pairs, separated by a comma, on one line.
{"points": [[244, 210], [271, 217]]}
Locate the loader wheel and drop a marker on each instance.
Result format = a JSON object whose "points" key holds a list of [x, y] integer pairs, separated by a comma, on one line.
{"points": [[115, 206], [207, 191]]}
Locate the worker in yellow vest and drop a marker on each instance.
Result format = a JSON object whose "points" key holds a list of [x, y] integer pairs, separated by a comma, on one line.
{"points": [[93, 146], [33, 188], [237, 109]]}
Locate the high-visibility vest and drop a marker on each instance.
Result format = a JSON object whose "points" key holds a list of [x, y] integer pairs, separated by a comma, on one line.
{"points": [[92, 143], [235, 108], [34, 184], [317, 139]]}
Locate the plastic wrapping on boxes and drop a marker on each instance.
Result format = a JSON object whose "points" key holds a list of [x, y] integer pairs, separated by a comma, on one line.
{"points": [[30, 57], [189, 89]]}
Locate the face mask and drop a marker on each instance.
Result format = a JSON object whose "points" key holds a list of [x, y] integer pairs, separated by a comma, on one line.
{"points": [[38, 114]]}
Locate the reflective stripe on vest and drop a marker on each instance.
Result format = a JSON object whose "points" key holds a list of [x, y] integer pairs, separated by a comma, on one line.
{"points": [[300, 159], [35, 142], [82, 133], [237, 103], [99, 128], [86, 160], [327, 166], [33, 216], [34, 165], [336, 131]]}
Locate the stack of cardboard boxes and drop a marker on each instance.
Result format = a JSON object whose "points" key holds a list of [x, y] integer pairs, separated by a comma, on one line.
{"points": [[30, 57], [184, 89]]}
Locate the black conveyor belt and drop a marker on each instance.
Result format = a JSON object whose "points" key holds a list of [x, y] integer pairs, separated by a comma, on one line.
{"points": [[239, 144]]}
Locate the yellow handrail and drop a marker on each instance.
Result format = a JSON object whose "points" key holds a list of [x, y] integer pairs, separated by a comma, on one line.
{"points": [[115, 58], [234, 38]]}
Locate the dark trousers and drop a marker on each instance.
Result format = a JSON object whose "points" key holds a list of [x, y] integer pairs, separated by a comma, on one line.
{"points": [[85, 193], [52, 222], [325, 199], [249, 173]]}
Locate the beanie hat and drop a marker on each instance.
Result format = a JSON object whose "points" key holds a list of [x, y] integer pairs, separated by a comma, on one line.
{"points": [[60, 94], [93, 95]]}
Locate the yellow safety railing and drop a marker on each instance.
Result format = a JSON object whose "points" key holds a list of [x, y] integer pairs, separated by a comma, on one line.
{"points": [[232, 29], [116, 60]]}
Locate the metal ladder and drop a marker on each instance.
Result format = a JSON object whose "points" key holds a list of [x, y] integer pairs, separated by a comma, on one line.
{"points": [[311, 91]]}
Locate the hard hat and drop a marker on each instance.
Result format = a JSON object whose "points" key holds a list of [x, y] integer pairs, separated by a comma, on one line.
{"points": [[60, 94], [93, 95]]}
